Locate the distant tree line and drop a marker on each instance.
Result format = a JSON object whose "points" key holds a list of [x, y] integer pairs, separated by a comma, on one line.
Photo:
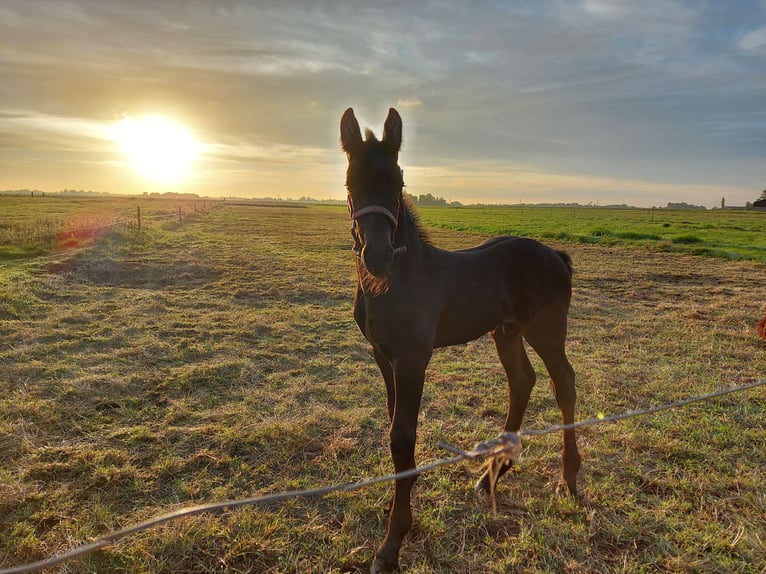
{"points": [[67, 192], [22, 192], [428, 199], [172, 195], [685, 206]]}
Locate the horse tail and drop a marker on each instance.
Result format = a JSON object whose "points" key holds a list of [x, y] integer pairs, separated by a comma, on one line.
{"points": [[762, 327], [567, 261]]}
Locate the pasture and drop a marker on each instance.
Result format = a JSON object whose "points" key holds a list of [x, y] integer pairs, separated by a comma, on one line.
{"points": [[218, 359], [722, 233]]}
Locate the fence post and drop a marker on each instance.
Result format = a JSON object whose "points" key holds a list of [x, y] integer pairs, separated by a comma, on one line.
{"points": [[138, 216], [179, 216]]}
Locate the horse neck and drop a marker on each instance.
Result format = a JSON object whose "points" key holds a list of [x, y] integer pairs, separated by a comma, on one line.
{"points": [[408, 233]]}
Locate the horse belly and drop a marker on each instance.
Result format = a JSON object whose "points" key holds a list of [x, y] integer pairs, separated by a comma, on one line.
{"points": [[464, 323], [476, 297]]}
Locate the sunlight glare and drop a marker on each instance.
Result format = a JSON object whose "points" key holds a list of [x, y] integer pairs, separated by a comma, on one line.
{"points": [[157, 148]]}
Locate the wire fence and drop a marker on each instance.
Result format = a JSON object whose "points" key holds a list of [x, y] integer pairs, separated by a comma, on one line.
{"points": [[55, 230], [505, 446]]}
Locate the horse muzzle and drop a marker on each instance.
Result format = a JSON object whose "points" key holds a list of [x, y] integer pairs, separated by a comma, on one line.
{"points": [[378, 259]]}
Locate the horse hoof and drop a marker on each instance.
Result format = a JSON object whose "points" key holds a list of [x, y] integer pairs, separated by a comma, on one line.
{"points": [[481, 488], [563, 491], [380, 567]]}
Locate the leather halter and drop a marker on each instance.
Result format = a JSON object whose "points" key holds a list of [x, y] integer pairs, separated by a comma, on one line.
{"points": [[376, 209], [393, 219]]}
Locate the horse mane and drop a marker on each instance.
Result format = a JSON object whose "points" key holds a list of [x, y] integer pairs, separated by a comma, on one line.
{"points": [[409, 209]]}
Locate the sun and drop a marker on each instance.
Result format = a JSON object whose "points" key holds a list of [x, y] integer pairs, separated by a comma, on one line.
{"points": [[157, 148]]}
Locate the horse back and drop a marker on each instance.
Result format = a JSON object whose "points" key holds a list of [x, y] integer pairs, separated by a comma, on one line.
{"points": [[511, 240]]}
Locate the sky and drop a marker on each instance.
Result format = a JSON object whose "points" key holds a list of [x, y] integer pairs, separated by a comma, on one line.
{"points": [[591, 101]]}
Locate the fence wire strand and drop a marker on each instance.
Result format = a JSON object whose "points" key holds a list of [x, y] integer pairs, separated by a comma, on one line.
{"points": [[506, 445], [65, 233]]}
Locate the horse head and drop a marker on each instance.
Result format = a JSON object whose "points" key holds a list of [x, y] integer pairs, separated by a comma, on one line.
{"points": [[374, 183]]}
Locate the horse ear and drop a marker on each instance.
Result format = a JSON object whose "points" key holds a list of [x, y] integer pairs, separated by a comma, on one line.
{"points": [[392, 130], [350, 134]]}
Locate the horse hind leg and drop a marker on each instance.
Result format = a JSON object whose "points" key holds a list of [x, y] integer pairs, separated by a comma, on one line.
{"points": [[548, 340], [521, 379]]}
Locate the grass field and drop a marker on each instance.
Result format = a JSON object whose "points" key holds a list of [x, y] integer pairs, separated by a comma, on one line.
{"points": [[218, 359], [723, 233]]}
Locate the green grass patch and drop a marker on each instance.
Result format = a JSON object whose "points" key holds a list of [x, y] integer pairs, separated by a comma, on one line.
{"points": [[687, 239], [638, 236], [730, 234], [600, 231]]}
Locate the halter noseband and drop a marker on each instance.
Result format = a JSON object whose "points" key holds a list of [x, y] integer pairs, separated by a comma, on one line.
{"points": [[393, 219], [374, 209]]}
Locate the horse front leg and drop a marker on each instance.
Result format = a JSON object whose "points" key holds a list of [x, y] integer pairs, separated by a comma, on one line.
{"points": [[388, 376], [409, 374]]}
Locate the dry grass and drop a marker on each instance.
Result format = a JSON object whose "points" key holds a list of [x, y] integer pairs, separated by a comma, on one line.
{"points": [[220, 360]]}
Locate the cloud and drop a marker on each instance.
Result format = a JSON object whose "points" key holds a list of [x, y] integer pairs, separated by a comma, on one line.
{"points": [[754, 40], [637, 91], [55, 133], [409, 103]]}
